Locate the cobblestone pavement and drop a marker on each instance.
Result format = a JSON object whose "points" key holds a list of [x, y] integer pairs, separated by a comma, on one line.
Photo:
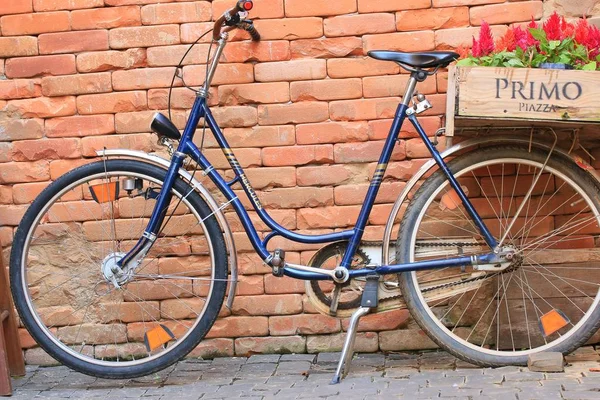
{"points": [[306, 376]]}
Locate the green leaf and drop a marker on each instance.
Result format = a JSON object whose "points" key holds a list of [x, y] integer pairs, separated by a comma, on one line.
{"points": [[515, 62], [590, 66], [553, 44], [539, 34], [467, 62]]}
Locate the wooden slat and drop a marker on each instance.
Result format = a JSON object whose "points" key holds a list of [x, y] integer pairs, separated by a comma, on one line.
{"points": [[13, 352], [522, 93]]}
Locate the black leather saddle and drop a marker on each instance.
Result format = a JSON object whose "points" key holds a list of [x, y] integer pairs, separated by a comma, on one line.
{"points": [[429, 59]]}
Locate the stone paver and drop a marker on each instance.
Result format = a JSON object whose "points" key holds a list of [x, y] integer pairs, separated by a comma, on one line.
{"points": [[431, 375]]}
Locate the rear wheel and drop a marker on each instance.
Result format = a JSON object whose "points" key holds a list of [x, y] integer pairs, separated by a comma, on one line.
{"points": [[117, 324], [547, 298]]}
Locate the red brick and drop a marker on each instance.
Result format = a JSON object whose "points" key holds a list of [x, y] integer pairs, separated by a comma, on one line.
{"points": [[14, 172], [142, 142], [289, 28], [453, 38], [60, 167], [5, 198], [19, 89], [54, 5], [250, 285], [42, 107], [433, 18], [76, 84], [191, 32], [304, 324], [379, 130], [226, 74], [235, 116], [359, 67], [355, 110], [268, 305], [504, 13], [73, 42], [358, 25], [332, 175], [266, 177], [6, 152], [262, 9], [176, 13], [310, 8], [355, 194], [43, 65], [11, 215], [27, 192], [19, 129], [246, 158], [6, 238], [369, 6], [382, 321], [260, 136], [297, 113], [296, 70], [33, 24], [110, 60], [327, 217], [239, 327], [181, 98], [135, 122], [415, 148], [112, 103], [365, 152], [18, 46], [212, 348], [144, 36], [106, 18], [329, 89], [297, 198], [442, 81], [401, 41], [297, 155], [33, 150], [393, 86], [172, 55], [283, 285], [404, 170], [143, 78], [15, 7], [270, 345], [327, 47], [332, 132], [80, 126], [272, 92], [257, 51], [454, 3]]}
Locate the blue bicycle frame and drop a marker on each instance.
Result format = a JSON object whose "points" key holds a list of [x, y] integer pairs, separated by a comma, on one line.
{"points": [[353, 236]]}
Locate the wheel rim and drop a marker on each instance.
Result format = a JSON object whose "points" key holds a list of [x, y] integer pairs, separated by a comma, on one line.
{"points": [[130, 352], [531, 247]]}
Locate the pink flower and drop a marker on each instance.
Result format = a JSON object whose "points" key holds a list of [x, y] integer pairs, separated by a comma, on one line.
{"points": [[521, 38], [485, 45]]}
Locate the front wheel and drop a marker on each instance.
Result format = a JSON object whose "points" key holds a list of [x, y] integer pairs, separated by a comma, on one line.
{"points": [[547, 298], [75, 302]]}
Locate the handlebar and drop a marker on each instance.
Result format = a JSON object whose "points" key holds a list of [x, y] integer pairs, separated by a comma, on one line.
{"points": [[232, 18]]}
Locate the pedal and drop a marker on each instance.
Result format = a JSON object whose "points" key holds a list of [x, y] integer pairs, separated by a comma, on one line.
{"points": [[370, 292], [335, 300], [278, 262]]}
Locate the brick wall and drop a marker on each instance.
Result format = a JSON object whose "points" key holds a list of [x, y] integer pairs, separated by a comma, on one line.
{"points": [[305, 111]]}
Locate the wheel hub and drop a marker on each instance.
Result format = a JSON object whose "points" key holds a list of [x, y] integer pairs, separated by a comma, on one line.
{"points": [[112, 272]]}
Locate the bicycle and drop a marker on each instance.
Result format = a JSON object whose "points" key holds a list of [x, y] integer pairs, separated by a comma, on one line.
{"points": [[494, 254]]}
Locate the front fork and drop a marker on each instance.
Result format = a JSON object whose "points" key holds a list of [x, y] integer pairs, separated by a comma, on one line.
{"points": [[134, 257]]}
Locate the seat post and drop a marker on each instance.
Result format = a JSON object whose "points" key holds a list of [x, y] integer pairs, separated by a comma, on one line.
{"points": [[410, 88]]}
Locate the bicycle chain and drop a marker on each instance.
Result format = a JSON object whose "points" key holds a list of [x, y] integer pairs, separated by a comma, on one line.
{"points": [[445, 285]]}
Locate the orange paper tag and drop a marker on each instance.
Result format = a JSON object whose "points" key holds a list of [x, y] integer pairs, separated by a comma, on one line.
{"points": [[105, 192], [157, 337], [553, 321]]}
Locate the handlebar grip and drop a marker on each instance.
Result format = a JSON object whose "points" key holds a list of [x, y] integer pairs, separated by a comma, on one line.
{"points": [[252, 31]]}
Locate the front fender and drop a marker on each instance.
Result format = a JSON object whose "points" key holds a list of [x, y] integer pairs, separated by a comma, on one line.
{"points": [[203, 192]]}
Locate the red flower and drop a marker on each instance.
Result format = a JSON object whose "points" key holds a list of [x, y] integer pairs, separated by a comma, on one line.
{"points": [[521, 38], [507, 42], [553, 27], [531, 41], [593, 42], [485, 45], [581, 31]]}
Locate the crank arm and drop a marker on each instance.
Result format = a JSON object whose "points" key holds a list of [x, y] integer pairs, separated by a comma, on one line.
{"points": [[339, 274]]}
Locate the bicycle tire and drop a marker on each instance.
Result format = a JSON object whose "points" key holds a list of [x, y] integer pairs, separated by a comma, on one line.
{"points": [[452, 321], [135, 295]]}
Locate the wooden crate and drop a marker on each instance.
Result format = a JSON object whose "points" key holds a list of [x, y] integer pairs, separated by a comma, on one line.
{"points": [[510, 96]]}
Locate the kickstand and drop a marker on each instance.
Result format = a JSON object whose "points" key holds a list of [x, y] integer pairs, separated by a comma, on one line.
{"points": [[368, 301]]}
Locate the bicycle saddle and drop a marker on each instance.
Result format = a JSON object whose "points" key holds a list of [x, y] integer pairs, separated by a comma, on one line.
{"points": [[418, 60]]}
